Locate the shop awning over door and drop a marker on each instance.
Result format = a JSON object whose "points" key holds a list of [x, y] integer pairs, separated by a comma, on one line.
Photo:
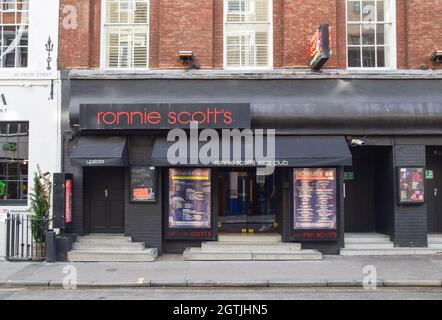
{"points": [[100, 151], [290, 151]]}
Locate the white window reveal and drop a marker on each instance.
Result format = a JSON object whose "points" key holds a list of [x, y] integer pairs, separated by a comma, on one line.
{"points": [[248, 34], [371, 33], [14, 29], [127, 34]]}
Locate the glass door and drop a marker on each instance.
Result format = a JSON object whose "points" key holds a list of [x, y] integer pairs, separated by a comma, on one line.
{"points": [[246, 202]]}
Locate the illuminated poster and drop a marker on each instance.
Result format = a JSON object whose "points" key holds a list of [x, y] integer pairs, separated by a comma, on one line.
{"points": [[189, 198], [143, 184], [68, 201], [314, 198], [411, 185]]}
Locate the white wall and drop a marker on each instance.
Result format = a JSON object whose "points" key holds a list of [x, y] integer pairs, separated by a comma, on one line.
{"points": [[27, 92], [43, 23]]}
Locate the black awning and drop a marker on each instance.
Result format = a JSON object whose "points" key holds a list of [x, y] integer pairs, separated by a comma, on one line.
{"points": [[290, 151], [100, 151]]}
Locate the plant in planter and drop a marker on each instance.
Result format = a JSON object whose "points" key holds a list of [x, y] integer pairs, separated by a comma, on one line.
{"points": [[40, 203]]}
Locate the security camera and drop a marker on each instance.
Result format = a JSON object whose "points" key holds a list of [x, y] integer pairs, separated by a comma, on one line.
{"points": [[357, 142]]}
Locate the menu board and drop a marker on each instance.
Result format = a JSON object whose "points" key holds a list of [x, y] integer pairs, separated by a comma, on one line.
{"points": [[411, 185], [143, 184], [189, 198], [314, 198]]}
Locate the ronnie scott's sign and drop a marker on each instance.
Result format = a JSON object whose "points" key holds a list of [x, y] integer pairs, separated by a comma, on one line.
{"points": [[164, 116]]}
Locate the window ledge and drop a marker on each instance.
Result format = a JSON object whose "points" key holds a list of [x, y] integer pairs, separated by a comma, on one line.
{"points": [[255, 74]]}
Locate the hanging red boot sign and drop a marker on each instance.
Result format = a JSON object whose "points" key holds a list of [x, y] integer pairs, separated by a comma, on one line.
{"points": [[320, 47]]}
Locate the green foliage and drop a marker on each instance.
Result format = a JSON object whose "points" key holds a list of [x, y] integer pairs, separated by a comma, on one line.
{"points": [[40, 204]]}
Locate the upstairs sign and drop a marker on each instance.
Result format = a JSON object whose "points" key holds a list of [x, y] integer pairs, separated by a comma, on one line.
{"points": [[320, 47]]}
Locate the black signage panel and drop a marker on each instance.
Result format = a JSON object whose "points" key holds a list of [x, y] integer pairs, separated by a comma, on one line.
{"points": [[164, 116]]}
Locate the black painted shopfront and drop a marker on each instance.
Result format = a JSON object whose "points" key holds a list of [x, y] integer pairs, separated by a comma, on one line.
{"points": [[325, 183]]}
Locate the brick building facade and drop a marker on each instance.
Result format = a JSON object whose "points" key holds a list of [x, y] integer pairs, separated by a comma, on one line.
{"points": [[198, 26], [369, 121]]}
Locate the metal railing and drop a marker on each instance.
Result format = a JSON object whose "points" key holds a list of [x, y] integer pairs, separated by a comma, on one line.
{"points": [[25, 237]]}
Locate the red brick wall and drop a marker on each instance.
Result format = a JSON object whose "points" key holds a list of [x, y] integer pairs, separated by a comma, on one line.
{"points": [[198, 25], [186, 25], [424, 32]]}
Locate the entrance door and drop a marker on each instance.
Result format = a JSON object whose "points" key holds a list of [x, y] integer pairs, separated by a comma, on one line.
{"points": [[105, 199], [434, 190], [246, 202], [359, 193]]}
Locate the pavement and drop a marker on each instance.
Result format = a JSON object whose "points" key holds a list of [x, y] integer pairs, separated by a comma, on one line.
{"points": [[172, 271]]}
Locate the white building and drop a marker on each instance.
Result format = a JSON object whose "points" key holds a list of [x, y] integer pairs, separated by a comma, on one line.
{"points": [[30, 134]]}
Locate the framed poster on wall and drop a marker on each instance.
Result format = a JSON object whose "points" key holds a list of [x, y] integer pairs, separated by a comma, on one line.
{"points": [[411, 186], [189, 204], [143, 186], [314, 203]]}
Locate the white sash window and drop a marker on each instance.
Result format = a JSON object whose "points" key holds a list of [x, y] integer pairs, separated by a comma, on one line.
{"points": [[126, 32], [14, 29], [248, 34], [371, 33]]}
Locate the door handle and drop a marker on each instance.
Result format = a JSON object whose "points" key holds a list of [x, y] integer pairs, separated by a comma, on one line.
{"points": [[435, 191], [106, 193]]}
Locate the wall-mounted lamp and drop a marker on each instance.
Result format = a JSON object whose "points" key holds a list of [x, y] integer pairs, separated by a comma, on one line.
{"points": [[187, 57], [436, 56]]}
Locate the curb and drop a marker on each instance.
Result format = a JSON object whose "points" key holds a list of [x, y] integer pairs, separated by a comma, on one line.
{"points": [[25, 283], [225, 284], [260, 284], [412, 283], [298, 284]]}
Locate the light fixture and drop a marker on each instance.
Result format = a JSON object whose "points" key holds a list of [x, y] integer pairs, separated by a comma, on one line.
{"points": [[436, 56], [186, 57]]}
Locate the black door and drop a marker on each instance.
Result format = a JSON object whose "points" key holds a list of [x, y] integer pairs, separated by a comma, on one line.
{"points": [[359, 192], [105, 199], [434, 190]]}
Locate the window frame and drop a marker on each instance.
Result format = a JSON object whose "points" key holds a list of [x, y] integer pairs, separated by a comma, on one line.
{"points": [[17, 25], [270, 40], [103, 41], [392, 65], [21, 201]]}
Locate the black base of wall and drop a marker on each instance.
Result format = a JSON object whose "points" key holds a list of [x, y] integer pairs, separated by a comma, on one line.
{"points": [[64, 245], [331, 248]]}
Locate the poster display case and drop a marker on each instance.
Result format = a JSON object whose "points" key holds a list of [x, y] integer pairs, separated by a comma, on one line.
{"points": [[411, 186], [315, 209], [189, 204], [143, 184]]}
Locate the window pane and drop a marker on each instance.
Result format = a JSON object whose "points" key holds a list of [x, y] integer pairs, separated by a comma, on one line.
{"points": [[354, 57], [381, 57], [369, 57], [233, 51], [261, 49], [13, 128], [368, 34], [382, 11], [380, 34], [354, 34], [354, 11], [368, 11]]}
